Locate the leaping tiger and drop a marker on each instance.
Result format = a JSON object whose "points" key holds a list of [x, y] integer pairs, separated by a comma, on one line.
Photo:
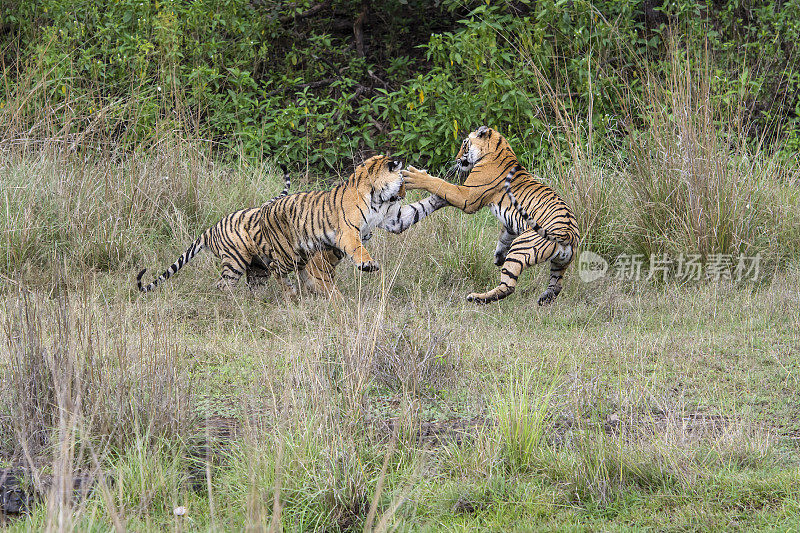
{"points": [[537, 225]]}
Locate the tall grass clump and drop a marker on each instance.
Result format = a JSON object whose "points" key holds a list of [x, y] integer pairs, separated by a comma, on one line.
{"points": [[697, 185], [522, 408], [105, 215], [68, 357]]}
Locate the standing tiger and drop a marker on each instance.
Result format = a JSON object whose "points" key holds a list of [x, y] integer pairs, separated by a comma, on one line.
{"points": [[334, 222], [537, 225], [237, 240]]}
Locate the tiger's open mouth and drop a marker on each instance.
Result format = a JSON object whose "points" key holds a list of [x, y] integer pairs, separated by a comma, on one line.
{"points": [[469, 159]]}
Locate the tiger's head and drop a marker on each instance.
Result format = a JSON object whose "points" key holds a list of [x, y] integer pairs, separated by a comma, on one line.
{"points": [[480, 143], [379, 178]]}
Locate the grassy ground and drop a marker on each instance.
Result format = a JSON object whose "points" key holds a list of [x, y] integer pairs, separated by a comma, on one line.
{"points": [[624, 406]]}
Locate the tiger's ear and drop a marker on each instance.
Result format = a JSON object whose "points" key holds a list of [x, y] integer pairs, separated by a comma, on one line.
{"points": [[483, 130]]}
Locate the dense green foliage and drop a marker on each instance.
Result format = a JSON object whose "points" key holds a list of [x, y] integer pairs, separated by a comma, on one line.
{"points": [[319, 85]]}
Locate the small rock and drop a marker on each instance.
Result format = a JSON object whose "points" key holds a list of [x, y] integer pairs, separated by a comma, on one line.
{"points": [[16, 491]]}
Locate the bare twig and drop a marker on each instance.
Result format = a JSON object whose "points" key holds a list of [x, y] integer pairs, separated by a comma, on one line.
{"points": [[378, 125], [379, 80]]}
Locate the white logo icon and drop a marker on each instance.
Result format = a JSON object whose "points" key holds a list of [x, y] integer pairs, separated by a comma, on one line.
{"points": [[591, 266]]}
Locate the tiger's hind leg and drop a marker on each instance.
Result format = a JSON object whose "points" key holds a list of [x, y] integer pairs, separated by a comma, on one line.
{"points": [[529, 248], [232, 270], [318, 274], [559, 262], [503, 245], [257, 273], [281, 274]]}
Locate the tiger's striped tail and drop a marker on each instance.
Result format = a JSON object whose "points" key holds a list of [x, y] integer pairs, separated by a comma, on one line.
{"points": [[287, 183], [529, 219], [187, 256]]}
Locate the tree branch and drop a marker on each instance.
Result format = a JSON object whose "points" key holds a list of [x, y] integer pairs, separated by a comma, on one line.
{"points": [[358, 30], [313, 10], [379, 80], [310, 85]]}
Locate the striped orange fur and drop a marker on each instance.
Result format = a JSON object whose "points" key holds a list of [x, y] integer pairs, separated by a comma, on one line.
{"points": [[335, 222], [537, 225], [236, 239]]}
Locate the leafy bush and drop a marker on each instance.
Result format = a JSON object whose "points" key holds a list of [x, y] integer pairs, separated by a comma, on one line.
{"points": [[263, 79]]}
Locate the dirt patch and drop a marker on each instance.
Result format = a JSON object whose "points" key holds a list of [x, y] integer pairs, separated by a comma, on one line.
{"points": [[691, 426], [434, 432]]}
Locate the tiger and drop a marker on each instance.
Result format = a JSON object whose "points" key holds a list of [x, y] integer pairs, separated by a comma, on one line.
{"points": [[537, 225], [236, 240], [335, 222]]}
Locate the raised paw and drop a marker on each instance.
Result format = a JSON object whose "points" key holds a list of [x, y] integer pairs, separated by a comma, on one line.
{"points": [[368, 266], [413, 178]]}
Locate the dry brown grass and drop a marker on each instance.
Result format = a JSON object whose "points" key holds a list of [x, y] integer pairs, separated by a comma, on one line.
{"points": [[625, 403]]}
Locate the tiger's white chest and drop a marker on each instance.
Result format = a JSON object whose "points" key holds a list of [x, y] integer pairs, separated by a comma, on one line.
{"points": [[377, 215], [380, 207]]}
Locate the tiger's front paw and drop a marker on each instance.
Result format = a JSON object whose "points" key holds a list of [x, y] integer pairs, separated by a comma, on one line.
{"points": [[368, 266], [414, 178]]}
